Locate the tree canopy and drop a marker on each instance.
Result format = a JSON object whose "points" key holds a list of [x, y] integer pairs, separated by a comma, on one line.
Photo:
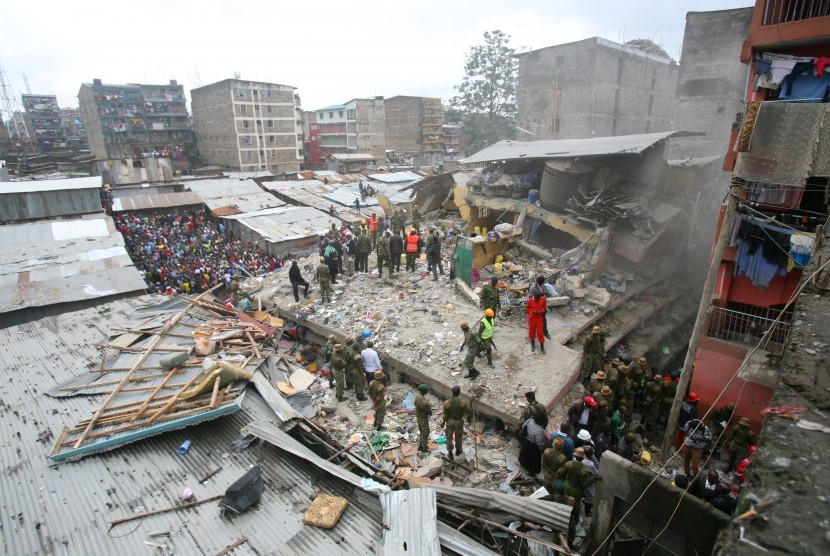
{"points": [[486, 99]]}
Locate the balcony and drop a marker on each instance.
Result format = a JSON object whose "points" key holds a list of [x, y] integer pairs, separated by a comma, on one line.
{"points": [[744, 324], [786, 11]]}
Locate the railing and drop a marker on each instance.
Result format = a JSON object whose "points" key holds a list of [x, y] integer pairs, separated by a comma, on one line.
{"points": [[785, 11], [747, 324]]}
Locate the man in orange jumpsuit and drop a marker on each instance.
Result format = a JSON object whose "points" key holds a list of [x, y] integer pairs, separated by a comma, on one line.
{"points": [[536, 307]]}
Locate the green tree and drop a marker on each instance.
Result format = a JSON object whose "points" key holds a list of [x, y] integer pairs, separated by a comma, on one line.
{"points": [[486, 98]]}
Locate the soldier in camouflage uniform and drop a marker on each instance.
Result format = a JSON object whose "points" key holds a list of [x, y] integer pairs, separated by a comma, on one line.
{"points": [[534, 410], [471, 343], [490, 296], [416, 219], [383, 252], [364, 247], [552, 461], [594, 349], [455, 410], [323, 277], [423, 411], [338, 367], [652, 394], [577, 478], [398, 222], [377, 391]]}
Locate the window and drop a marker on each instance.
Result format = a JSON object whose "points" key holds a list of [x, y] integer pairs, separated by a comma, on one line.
{"points": [[350, 113], [340, 113], [320, 116], [250, 155], [247, 140], [272, 138], [243, 109], [270, 108], [270, 123], [241, 94], [331, 115], [256, 107], [245, 124], [560, 61]]}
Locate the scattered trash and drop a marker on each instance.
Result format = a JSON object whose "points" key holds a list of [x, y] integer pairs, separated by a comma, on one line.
{"points": [[245, 492], [325, 511], [185, 447]]}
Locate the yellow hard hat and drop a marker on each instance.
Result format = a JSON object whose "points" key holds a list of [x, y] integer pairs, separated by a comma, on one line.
{"points": [[363, 221], [489, 313], [414, 230]]}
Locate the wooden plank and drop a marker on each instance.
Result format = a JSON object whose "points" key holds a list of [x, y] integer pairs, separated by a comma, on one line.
{"points": [[135, 367], [174, 399], [215, 393], [253, 344], [153, 394], [108, 383]]}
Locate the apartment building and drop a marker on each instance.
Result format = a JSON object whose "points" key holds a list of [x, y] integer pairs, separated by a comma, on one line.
{"points": [[357, 126], [594, 88], [43, 118], [248, 125], [134, 121], [414, 125], [74, 129]]}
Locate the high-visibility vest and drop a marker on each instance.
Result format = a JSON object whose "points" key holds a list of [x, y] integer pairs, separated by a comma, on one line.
{"points": [[412, 243], [373, 224], [487, 333]]}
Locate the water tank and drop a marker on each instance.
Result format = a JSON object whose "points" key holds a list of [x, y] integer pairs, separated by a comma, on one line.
{"points": [[560, 181]]}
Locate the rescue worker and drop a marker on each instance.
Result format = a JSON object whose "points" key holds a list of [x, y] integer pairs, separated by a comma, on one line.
{"points": [[377, 391], [597, 381], [594, 350], [552, 461], [688, 411], [534, 410], [669, 390], [373, 229], [364, 247], [490, 295], [541, 286], [364, 227], [536, 309], [423, 411], [323, 280], [416, 218], [640, 376], [577, 478], [486, 329], [384, 254], [338, 367], [395, 252], [740, 440], [652, 393], [471, 344], [721, 418], [398, 223], [455, 410], [329, 347], [434, 255], [413, 248]]}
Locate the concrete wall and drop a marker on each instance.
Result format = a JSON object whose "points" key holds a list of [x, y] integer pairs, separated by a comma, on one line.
{"points": [[371, 127], [693, 529], [89, 112], [248, 125], [712, 81], [594, 88], [403, 124]]}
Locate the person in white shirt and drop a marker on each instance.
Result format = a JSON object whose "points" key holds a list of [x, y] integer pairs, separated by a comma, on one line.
{"points": [[371, 361]]}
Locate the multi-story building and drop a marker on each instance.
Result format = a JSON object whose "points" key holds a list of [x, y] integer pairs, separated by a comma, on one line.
{"points": [[414, 125], [74, 129], [594, 88], [779, 159], [137, 121], [358, 126], [43, 119], [249, 125], [452, 140]]}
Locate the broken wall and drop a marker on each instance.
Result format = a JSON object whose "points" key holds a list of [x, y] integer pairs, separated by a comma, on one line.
{"points": [[694, 525]]}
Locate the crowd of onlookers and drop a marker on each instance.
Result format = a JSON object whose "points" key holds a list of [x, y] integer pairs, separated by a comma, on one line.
{"points": [[189, 251]]}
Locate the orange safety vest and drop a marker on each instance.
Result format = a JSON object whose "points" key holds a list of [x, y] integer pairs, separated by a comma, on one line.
{"points": [[412, 243], [373, 224]]}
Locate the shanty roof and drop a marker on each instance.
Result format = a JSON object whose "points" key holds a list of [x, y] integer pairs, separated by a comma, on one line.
{"points": [[160, 200], [332, 107], [396, 177], [66, 508], [568, 148], [285, 223], [67, 184], [311, 194], [248, 175], [45, 263], [352, 156], [244, 195]]}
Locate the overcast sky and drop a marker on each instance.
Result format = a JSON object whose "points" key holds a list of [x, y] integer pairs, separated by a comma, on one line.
{"points": [[331, 51]]}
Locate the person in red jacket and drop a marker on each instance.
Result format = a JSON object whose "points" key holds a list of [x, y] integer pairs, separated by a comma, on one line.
{"points": [[413, 248], [536, 307]]}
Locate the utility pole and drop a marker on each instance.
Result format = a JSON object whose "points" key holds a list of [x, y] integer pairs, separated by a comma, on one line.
{"points": [[700, 322]]}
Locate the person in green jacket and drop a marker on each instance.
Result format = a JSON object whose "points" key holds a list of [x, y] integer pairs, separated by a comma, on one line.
{"points": [[423, 411], [471, 344], [455, 410], [377, 392], [577, 478], [552, 460], [741, 439], [323, 278]]}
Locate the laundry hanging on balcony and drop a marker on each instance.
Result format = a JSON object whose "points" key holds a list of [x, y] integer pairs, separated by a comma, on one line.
{"points": [[763, 251]]}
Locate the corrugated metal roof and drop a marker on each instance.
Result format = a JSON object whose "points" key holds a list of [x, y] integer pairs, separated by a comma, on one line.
{"points": [[352, 156], [66, 509], [396, 177], [411, 521], [248, 175], [281, 185], [162, 200], [244, 195], [568, 148], [311, 194], [284, 223], [67, 184], [62, 261], [346, 194]]}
